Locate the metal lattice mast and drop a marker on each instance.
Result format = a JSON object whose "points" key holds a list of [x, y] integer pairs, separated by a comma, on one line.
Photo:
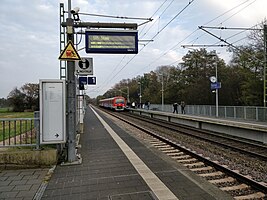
{"points": [[265, 67], [62, 44]]}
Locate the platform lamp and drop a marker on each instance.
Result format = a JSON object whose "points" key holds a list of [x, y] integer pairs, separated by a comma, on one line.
{"points": [[140, 93], [214, 79]]}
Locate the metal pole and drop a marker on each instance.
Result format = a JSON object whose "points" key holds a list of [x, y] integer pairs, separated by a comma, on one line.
{"points": [[37, 128], [217, 92], [128, 95], [71, 94], [162, 94], [265, 67], [140, 96]]}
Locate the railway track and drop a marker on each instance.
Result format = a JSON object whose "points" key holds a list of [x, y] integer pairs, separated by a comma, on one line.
{"points": [[241, 187], [237, 144]]}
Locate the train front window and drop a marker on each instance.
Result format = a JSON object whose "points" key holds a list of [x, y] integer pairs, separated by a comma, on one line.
{"points": [[119, 101]]}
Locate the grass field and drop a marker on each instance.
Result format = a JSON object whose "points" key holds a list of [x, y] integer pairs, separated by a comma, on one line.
{"points": [[6, 109], [7, 113], [16, 115]]}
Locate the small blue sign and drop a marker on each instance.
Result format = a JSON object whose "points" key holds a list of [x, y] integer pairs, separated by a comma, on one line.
{"points": [[91, 80], [83, 79], [215, 86]]}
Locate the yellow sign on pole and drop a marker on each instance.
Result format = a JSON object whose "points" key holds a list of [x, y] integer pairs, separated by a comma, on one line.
{"points": [[69, 53]]}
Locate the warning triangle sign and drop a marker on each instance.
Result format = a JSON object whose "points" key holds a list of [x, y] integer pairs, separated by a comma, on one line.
{"points": [[69, 53]]}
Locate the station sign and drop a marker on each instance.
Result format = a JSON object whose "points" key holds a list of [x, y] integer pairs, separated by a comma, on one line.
{"points": [[84, 66], [83, 80], [91, 81], [113, 42], [215, 86]]}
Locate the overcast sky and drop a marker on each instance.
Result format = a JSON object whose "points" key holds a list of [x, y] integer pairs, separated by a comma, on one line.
{"points": [[29, 36]]}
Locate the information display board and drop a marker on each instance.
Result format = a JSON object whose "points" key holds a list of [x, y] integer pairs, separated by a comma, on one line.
{"points": [[52, 111], [117, 42]]}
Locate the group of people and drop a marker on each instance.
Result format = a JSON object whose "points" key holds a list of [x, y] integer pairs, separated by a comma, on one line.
{"points": [[175, 107], [144, 106]]}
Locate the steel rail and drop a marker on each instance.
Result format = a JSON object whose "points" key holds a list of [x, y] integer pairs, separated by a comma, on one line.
{"points": [[242, 150]]}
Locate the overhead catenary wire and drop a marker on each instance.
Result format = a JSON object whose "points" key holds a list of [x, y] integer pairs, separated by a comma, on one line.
{"points": [[157, 19], [139, 37], [140, 50], [243, 29], [180, 42], [232, 9], [230, 44], [221, 45], [191, 34], [153, 15], [125, 55], [154, 37], [208, 23], [117, 17]]}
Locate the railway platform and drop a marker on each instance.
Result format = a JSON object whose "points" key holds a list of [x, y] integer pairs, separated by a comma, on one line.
{"points": [[115, 165]]}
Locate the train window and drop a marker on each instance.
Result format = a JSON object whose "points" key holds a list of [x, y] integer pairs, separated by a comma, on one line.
{"points": [[119, 101]]}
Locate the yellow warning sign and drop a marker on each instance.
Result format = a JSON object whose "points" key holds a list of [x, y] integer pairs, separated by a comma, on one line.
{"points": [[69, 53]]}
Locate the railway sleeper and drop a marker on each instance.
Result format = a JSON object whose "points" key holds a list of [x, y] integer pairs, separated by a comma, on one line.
{"points": [[189, 160], [157, 142], [165, 148], [257, 195], [212, 174], [235, 187], [194, 165], [161, 145], [202, 169], [223, 180], [182, 157], [173, 154]]}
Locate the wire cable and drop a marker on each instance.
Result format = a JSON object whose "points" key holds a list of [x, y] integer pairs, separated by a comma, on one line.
{"points": [[153, 15], [157, 19], [153, 38]]}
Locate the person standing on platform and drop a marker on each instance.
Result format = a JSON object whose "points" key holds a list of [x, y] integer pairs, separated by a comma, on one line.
{"points": [[175, 108], [183, 107]]}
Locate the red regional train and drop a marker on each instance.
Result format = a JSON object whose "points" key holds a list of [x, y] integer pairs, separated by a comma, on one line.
{"points": [[115, 103]]}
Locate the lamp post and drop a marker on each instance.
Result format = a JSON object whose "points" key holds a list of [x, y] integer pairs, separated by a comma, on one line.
{"points": [[140, 93], [214, 80], [162, 94], [128, 95], [217, 91]]}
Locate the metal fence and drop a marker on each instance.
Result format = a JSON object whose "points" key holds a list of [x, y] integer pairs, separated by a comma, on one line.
{"points": [[19, 132], [250, 113]]}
